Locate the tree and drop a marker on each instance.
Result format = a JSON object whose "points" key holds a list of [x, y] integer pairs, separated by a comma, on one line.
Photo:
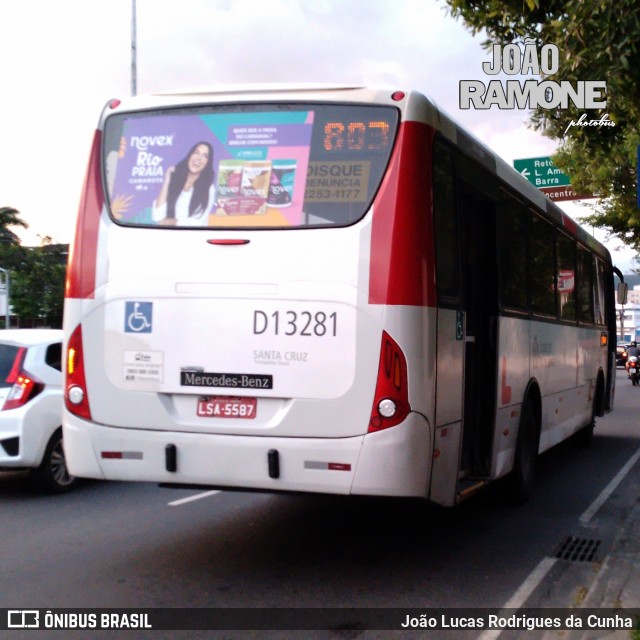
{"points": [[10, 217], [37, 287], [598, 40], [37, 274], [11, 253]]}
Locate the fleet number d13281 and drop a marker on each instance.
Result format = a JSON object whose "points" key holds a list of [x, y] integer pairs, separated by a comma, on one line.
{"points": [[295, 323]]}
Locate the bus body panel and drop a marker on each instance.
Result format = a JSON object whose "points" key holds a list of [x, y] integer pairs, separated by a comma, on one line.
{"points": [[148, 378], [449, 402], [450, 368], [564, 362], [388, 463], [446, 464]]}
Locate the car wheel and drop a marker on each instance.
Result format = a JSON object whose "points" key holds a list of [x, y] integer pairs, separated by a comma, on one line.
{"points": [[52, 475]]}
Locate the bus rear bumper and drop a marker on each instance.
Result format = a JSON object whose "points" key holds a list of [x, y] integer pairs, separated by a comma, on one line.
{"points": [[394, 462]]}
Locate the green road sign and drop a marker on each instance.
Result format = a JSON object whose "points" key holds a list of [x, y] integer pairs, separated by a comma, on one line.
{"points": [[541, 172]]}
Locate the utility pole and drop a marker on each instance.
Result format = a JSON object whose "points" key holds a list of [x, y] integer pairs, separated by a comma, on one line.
{"points": [[134, 53], [4, 286]]}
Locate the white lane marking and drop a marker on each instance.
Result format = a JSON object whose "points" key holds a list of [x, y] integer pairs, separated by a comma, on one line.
{"points": [[198, 496], [522, 594], [609, 489]]}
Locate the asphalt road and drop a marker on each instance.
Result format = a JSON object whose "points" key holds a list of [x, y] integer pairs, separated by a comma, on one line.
{"points": [[136, 545]]}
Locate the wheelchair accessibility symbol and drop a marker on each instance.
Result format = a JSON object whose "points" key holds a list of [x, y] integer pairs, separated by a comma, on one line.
{"points": [[138, 317]]}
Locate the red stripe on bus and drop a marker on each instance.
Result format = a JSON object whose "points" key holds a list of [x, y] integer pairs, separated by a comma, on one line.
{"points": [[569, 224], [81, 271], [402, 265], [111, 455], [338, 466], [228, 241]]}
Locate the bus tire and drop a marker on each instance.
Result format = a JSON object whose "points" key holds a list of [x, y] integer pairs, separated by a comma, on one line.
{"points": [[524, 463], [584, 437]]}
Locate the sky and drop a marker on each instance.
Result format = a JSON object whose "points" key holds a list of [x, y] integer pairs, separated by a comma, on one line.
{"points": [[60, 62]]}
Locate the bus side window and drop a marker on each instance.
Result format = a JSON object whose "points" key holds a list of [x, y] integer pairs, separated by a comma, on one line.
{"points": [[598, 291], [447, 237], [542, 266], [566, 248], [512, 254], [585, 286]]}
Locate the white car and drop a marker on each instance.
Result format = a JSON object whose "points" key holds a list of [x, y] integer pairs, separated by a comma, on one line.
{"points": [[31, 406]]}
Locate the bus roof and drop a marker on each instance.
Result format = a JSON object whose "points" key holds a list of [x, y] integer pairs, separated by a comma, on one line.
{"points": [[258, 87]]}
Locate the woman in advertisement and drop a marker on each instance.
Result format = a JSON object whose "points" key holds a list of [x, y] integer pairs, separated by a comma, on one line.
{"points": [[188, 191]]}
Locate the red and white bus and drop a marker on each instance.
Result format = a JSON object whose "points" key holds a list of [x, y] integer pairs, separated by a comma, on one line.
{"points": [[324, 290]]}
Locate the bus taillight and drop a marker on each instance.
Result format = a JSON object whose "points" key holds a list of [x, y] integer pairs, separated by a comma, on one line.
{"points": [[75, 395], [391, 400], [82, 267]]}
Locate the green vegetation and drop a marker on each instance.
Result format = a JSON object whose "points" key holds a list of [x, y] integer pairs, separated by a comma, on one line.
{"points": [[37, 275], [597, 40]]}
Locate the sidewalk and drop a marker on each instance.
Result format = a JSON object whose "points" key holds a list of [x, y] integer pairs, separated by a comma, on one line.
{"points": [[617, 585]]}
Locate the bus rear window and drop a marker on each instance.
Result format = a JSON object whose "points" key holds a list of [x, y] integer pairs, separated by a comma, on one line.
{"points": [[252, 166]]}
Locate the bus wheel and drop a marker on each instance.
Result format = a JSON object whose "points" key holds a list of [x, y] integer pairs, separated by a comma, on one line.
{"points": [[524, 464], [584, 437]]}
